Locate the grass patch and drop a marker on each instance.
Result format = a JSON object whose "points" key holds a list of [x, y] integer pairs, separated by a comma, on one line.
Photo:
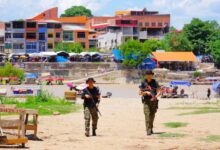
{"points": [[199, 110], [212, 138], [175, 124], [45, 103], [172, 135], [202, 111]]}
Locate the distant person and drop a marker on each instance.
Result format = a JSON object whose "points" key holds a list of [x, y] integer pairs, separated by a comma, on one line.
{"points": [[91, 97], [208, 93], [150, 91], [182, 92]]}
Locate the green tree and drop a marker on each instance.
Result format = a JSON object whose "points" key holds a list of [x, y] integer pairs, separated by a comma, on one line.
{"points": [[172, 28], [153, 45], [10, 71], [93, 49], [133, 52], [200, 33], [69, 47], [77, 11], [215, 51], [176, 42]]}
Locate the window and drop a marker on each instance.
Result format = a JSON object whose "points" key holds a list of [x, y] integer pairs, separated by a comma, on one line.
{"points": [[31, 35], [50, 25], [50, 45], [147, 24], [18, 46], [42, 36], [42, 25], [8, 45], [1, 39], [67, 36], [50, 35], [31, 45], [58, 26], [42, 46], [18, 24], [83, 44], [8, 25], [153, 24], [81, 35], [31, 24], [58, 35], [160, 24], [125, 22], [140, 24], [7, 35], [18, 35]]}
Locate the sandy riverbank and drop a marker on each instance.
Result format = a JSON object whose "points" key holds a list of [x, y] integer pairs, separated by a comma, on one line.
{"points": [[122, 127]]}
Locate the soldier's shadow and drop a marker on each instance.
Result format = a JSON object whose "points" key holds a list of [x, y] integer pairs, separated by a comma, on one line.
{"points": [[158, 133]]}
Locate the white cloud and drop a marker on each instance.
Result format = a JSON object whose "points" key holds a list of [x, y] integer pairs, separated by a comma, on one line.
{"points": [[11, 9], [182, 11]]}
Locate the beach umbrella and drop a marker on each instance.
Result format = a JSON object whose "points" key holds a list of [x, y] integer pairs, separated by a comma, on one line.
{"points": [[176, 83], [70, 85], [216, 87]]}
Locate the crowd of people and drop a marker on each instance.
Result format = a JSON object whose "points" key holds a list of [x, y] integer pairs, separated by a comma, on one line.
{"points": [[172, 92]]}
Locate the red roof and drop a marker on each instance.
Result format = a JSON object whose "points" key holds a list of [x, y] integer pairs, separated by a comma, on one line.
{"points": [[47, 15]]}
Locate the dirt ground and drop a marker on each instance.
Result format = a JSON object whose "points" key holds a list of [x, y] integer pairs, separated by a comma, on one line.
{"points": [[121, 127]]}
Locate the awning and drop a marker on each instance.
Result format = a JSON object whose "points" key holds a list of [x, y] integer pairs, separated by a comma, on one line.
{"points": [[174, 56], [30, 76], [216, 87], [176, 83]]}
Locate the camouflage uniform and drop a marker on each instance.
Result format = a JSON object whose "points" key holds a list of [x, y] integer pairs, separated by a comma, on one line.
{"points": [[88, 114], [150, 107], [90, 110]]}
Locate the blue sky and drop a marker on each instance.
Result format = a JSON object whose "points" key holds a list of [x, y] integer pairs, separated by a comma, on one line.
{"points": [[182, 11]]}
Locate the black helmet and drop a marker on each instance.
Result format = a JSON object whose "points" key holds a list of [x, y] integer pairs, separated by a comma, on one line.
{"points": [[90, 79], [149, 72]]}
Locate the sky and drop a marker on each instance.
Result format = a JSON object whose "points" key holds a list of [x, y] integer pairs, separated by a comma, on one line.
{"points": [[182, 11]]}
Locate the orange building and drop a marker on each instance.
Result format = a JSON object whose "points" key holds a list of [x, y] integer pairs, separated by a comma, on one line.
{"points": [[2, 37], [111, 31]]}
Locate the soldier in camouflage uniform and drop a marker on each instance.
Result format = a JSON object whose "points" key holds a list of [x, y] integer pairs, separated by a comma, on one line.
{"points": [[91, 97], [150, 91]]}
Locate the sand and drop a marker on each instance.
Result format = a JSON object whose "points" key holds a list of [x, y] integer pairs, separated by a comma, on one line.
{"points": [[122, 127]]}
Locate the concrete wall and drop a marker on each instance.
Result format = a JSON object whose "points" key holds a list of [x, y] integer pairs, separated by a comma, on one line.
{"points": [[70, 70]]}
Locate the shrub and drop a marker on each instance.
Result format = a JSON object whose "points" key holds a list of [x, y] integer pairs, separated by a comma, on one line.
{"points": [[10, 71], [196, 74]]}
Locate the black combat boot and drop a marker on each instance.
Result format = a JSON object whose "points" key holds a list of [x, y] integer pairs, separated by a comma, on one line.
{"points": [[87, 134], [152, 132], [93, 132], [149, 132]]}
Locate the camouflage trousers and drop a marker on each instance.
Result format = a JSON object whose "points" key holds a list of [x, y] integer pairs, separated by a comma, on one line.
{"points": [[150, 109], [88, 114]]}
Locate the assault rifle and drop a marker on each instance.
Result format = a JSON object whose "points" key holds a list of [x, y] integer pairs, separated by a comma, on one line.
{"points": [[93, 101]]}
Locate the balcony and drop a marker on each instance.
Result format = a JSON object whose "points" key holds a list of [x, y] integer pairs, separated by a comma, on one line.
{"points": [[18, 40], [143, 35], [18, 30], [129, 31], [159, 37], [16, 51], [30, 26]]}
